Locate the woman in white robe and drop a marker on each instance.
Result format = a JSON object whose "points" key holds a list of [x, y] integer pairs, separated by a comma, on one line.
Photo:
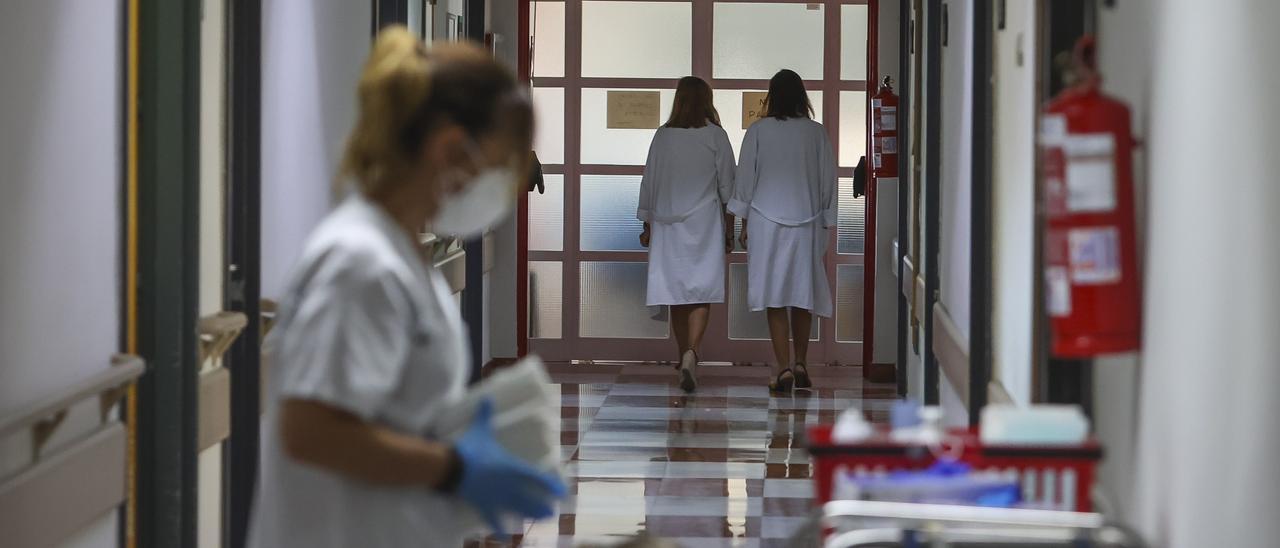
{"points": [[687, 181], [785, 194]]}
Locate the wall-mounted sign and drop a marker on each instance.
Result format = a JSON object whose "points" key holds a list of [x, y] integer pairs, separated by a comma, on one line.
{"points": [[752, 107], [634, 110]]}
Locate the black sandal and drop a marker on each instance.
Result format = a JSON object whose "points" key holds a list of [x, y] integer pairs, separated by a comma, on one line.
{"points": [[801, 374], [781, 385]]}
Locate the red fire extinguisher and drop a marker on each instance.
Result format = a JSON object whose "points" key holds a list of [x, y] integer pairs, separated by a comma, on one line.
{"points": [[1091, 273], [884, 131]]}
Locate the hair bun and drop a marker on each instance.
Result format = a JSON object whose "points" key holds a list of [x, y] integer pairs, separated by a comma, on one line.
{"points": [[396, 80]]}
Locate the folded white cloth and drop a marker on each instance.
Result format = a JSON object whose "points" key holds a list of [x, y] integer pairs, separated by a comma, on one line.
{"points": [[526, 419]]}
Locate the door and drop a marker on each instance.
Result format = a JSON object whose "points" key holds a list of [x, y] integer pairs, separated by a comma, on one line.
{"points": [[587, 269]]}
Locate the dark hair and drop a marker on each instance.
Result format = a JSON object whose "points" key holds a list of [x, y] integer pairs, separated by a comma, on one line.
{"points": [[406, 92], [787, 97], [693, 106]]}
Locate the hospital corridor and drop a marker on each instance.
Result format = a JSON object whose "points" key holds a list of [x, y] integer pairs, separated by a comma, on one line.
{"points": [[639, 273]]}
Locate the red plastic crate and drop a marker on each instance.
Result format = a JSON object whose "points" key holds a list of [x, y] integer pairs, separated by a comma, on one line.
{"points": [[1058, 477]]}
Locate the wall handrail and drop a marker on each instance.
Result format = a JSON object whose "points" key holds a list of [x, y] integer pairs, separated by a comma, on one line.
{"points": [[107, 385]]}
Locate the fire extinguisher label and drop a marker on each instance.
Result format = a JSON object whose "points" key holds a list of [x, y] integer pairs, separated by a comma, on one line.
{"points": [[1095, 255], [1057, 291], [889, 145], [1091, 184], [889, 118], [1053, 128]]}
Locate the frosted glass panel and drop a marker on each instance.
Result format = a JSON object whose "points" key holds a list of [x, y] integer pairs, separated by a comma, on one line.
{"points": [[548, 111], [548, 39], [729, 103], [849, 288], [608, 215], [745, 324], [853, 42], [613, 302], [545, 299], [637, 39], [755, 40], [850, 225], [546, 216], [853, 128], [601, 145]]}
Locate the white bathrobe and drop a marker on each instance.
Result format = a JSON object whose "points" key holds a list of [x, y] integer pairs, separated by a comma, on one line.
{"points": [[786, 189], [687, 180]]}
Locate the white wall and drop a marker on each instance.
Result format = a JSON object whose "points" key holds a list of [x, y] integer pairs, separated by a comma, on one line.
{"points": [[955, 188], [212, 234], [1124, 57], [60, 145], [885, 349], [1013, 200], [1208, 438], [60, 128], [502, 307], [311, 60], [915, 353]]}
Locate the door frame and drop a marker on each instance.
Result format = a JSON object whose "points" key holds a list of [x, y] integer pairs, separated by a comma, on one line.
{"points": [[570, 346], [244, 250]]}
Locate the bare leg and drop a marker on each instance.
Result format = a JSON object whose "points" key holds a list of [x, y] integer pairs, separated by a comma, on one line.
{"points": [[801, 321], [699, 316], [680, 326], [778, 333]]}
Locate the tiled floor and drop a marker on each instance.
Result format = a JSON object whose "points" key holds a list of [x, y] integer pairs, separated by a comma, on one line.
{"points": [[723, 467]]}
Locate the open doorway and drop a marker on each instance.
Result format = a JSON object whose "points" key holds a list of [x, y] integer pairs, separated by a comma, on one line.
{"points": [[587, 271]]}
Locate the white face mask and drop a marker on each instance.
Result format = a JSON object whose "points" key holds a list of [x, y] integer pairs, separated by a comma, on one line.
{"points": [[478, 206]]}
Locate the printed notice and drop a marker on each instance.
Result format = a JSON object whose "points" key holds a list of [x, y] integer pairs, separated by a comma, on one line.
{"points": [[634, 110], [752, 107], [1091, 174], [1057, 291], [889, 145], [889, 118], [1053, 127], [1095, 255]]}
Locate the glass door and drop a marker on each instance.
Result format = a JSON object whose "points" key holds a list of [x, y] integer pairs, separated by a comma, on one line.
{"points": [[587, 270]]}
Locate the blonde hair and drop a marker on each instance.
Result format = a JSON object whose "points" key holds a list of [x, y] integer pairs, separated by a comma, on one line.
{"points": [[405, 92]]}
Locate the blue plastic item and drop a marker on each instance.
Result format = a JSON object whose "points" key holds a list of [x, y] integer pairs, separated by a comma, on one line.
{"points": [[904, 414], [495, 482], [946, 482]]}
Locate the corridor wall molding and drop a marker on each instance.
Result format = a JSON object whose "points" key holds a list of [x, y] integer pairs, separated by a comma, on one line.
{"points": [[951, 350], [61, 493]]}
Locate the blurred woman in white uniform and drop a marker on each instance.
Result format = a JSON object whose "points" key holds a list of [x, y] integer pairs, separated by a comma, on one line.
{"points": [[785, 194], [687, 181], [369, 345]]}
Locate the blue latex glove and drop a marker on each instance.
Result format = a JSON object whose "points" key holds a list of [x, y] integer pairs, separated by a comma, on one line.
{"points": [[495, 482]]}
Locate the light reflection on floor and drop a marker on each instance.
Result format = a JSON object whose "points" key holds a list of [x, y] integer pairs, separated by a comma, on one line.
{"points": [[724, 467]]}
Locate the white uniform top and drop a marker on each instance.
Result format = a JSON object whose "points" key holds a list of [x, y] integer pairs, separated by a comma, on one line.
{"points": [[687, 180], [367, 326], [787, 173], [687, 169], [786, 187]]}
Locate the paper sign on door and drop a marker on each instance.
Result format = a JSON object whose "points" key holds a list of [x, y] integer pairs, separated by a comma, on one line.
{"points": [[634, 110], [752, 107]]}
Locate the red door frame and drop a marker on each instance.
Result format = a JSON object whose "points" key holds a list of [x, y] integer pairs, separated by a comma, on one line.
{"points": [[703, 24], [524, 61], [869, 236]]}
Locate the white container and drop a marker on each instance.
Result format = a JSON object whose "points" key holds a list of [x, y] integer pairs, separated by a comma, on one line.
{"points": [[1034, 425]]}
